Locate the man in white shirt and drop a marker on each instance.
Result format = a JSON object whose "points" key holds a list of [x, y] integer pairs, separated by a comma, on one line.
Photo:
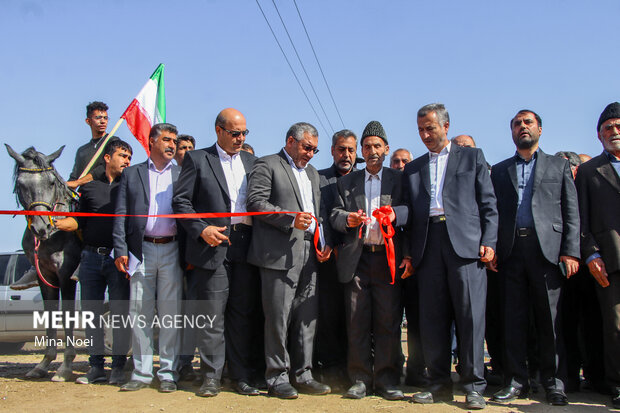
{"points": [[215, 179]]}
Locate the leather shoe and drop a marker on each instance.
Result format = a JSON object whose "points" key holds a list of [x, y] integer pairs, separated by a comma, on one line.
{"points": [[427, 397], [186, 373], [210, 388], [244, 388], [357, 391], [509, 393], [313, 387], [475, 401], [557, 398], [283, 391], [390, 393], [133, 385], [615, 400], [167, 386]]}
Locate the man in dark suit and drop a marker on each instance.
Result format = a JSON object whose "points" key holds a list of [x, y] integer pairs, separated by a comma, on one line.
{"points": [[215, 180], [330, 353], [538, 228], [282, 248], [147, 249], [598, 186], [452, 231], [372, 294]]}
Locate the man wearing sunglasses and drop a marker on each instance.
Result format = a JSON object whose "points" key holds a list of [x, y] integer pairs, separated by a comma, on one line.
{"points": [[282, 247], [215, 180]]}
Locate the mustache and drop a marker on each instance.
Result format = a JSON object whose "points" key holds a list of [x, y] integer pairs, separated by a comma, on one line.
{"points": [[169, 150]]}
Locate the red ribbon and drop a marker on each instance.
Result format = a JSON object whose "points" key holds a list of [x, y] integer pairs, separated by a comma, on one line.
{"points": [[383, 215], [194, 215]]}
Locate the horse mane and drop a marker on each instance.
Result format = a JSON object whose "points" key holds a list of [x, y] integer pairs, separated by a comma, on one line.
{"points": [[39, 160]]}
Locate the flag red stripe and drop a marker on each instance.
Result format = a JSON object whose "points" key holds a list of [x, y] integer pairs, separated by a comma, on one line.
{"points": [[138, 124]]}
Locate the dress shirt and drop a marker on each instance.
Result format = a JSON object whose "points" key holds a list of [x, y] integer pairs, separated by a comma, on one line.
{"points": [[372, 189], [160, 202], [237, 183], [305, 188], [525, 186], [437, 166]]}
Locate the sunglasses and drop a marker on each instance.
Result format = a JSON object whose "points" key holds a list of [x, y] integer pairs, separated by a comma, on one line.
{"points": [[309, 148], [236, 133]]}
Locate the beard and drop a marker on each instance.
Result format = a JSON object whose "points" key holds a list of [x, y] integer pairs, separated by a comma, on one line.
{"points": [[612, 145], [526, 142]]}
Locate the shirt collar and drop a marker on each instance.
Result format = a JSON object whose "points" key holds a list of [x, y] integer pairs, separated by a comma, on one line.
{"points": [[611, 158], [519, 158], [223, 155], [290, 161], [153, 168], [367, 175], [444, 151]]}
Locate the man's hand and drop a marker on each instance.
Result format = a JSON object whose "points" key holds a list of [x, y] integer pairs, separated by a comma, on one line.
{"points": [[213, 235], [324, 255], [79, 182], [406, 263], [492, 265], [572, 265], [486, 254], [598, 271], [303, 220], [68, 224], [355, 219], [121, 263]]}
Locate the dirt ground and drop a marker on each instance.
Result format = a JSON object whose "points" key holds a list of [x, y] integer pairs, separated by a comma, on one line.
{"points": [[21, 395]]}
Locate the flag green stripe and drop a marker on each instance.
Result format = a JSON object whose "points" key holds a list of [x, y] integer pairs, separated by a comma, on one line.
{"points": [[158, 78]]}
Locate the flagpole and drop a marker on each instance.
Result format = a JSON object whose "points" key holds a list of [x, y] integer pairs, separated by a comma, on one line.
{"points": [[101, 147]]}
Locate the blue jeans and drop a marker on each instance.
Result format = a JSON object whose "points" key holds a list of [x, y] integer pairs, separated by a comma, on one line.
{"points": [[98, 272]]}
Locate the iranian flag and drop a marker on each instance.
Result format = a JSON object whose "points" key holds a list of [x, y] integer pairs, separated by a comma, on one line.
{"points": [[148, 108]]}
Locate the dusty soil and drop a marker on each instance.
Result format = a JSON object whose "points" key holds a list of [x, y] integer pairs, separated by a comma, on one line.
{"points": [[20, 395]]}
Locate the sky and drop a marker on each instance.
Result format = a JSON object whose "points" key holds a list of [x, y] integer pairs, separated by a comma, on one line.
{"points": [[383, 60]]}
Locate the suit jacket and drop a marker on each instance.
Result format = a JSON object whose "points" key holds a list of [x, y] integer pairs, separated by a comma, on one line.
{"points": [[598, 187], [133, 199], [329, 193], [554, 206], [272, 187], [202, 187], [352, 197], [468, 200]]}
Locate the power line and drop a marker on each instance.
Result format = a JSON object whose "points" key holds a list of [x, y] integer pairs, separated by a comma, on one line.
{"points": [[319, 64], [291, 67], [302, 66]]}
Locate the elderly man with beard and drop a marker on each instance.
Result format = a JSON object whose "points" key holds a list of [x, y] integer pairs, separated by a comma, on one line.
{"points": [[598, 185], [537, 248], [330, 354]]}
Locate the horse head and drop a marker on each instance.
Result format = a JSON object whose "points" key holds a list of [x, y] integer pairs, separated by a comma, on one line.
{"points": [[38, 187]]}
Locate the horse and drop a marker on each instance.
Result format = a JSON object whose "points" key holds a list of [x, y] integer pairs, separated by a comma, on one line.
{"points": [[54, 253]]}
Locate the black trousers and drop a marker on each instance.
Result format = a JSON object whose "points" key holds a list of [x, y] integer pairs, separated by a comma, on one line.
{"points": [[530, 280], [609, 299], [415, 357], [373, 323], [331, 333], [451, 289]]}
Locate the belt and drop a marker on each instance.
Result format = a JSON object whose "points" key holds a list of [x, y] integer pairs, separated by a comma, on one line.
{"points": [[308, 236], [525, 232], [240, 227], [437, 219], [98, 250], [160, 240], [374, 248]]}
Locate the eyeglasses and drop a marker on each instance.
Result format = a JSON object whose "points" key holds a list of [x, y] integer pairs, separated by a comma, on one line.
{"points": [[236, 133], [309, 148]]}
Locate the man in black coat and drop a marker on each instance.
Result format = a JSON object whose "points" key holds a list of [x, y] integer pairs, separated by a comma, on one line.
{"points": [[598, 186], [215, 180], [330, 353], [372, 293], [538, 234], [452, 232]]}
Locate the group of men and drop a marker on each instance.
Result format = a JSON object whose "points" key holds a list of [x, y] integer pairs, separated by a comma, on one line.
{"points": [[295, 258]]}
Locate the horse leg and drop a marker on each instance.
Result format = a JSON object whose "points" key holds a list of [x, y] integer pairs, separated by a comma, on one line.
{"points": [[65, 371], [50, 303]]}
